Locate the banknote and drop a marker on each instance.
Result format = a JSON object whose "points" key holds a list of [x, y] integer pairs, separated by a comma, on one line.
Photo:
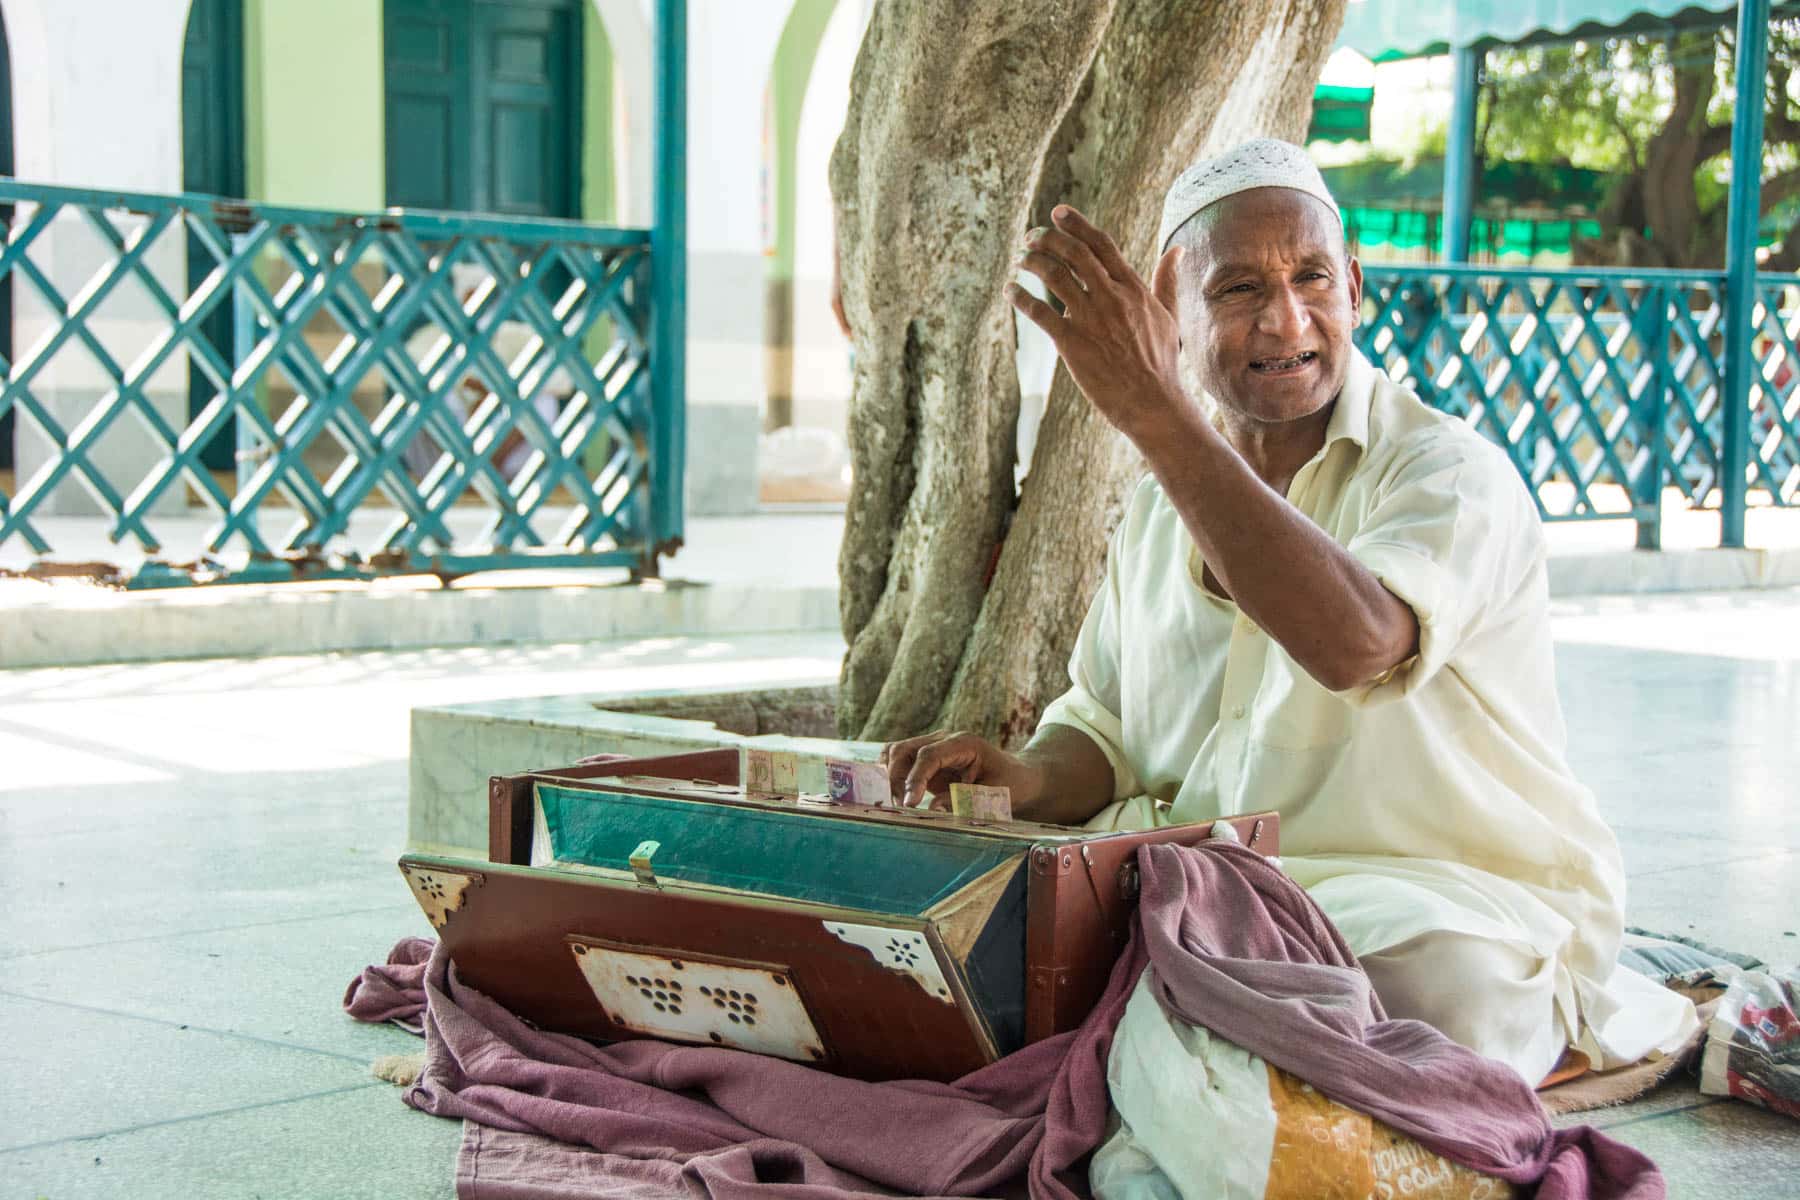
{"points": [[980, 802], [758, 771], [784, 768], [857, 783]]}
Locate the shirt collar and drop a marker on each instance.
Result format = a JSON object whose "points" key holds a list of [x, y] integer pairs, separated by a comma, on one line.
{"points": [[1350, 418]]}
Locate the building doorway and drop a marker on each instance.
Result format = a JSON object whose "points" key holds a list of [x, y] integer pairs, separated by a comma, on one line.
{"points": [[484, 105], [212, 163]]}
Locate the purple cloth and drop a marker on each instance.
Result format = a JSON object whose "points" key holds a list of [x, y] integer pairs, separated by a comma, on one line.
{"points": [[394, 990], [1236, 947], [1240, 948], [705, 1121]]}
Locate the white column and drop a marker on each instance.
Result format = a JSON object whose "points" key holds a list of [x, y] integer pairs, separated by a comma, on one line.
{"points": [[821, 355], [730, 50], [627, 25], [97, 103]]}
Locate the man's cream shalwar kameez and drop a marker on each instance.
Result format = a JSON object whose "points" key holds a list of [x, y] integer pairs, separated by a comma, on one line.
{"points": [[1432, 814]]}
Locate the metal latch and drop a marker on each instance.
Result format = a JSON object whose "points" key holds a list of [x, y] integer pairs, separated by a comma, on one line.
{"points": [[640, 863]]}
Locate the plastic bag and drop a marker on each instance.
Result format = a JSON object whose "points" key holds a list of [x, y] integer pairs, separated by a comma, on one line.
{"points": [[1199, 1118], [1753, 1044]]}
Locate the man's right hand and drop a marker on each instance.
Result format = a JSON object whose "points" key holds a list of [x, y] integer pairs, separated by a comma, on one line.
{"points": [[935, 761]]}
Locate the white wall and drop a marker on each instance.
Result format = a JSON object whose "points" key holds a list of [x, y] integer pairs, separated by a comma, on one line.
{"points": [[97, 104], [97, 91], [821, 355], [730, 50], [627, 24]]}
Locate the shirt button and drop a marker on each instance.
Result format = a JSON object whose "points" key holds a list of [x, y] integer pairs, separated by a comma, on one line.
{"points": [[1237, 712], [1246, 626]]}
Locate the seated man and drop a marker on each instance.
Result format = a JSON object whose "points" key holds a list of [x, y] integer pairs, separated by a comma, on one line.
{"points": [[1329, 600]]}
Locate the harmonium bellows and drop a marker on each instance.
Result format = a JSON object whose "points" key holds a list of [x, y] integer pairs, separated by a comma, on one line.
{"points": [[660, 898]]}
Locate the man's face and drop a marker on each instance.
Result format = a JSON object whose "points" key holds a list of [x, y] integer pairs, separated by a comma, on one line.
{"points": [[1268, 301]]}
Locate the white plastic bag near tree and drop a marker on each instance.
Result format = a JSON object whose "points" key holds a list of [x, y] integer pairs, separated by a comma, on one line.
{"points": [[1753, 1044]]}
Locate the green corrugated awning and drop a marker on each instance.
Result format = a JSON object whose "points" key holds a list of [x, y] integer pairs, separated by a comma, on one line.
{"points": [[1388, 232], [1385, 30], [1340, 114], [1391, 183]]}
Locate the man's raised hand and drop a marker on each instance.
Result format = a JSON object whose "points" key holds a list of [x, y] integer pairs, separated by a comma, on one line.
{"points": [[1118, 337]]}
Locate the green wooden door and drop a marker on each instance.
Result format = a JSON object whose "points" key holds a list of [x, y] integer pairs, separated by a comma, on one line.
{"points": [[212, 162], [484, 105], [426, 47]]}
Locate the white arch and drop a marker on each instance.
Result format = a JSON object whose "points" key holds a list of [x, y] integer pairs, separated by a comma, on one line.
{"points": [[97, 104], [730, 50], [97, 92], [628, 31], [821, 361]]}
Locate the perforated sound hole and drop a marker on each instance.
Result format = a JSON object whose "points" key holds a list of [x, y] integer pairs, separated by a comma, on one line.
{"points": [[685, 999], [738, 1007], [664, 994]]}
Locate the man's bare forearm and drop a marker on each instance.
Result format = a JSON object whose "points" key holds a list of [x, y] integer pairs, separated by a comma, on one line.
{"points": [[1071, 779], [1287, 575]]}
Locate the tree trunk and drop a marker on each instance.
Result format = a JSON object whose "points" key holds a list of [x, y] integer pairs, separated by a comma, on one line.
{"points": [[967, 123], [1659, 194]]}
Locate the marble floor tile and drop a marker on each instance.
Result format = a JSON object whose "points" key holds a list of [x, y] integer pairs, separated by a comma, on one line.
{"points": [[83, 1071], [272, 981], [1675, 1095], [1725, 1149], [1743, 796], [1745, 906], [356, 1143], [227, 856], [1649, 852]]}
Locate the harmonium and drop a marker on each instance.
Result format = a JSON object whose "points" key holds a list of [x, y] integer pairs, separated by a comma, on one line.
{"points": [[664, 898]]}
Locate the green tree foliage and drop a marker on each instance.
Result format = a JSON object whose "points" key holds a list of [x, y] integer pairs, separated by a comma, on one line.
{"points": [[1653, 110]]}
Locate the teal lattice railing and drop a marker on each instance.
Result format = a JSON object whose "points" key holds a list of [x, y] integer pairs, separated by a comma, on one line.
{"points": [[270, 393], [1602, 386]]}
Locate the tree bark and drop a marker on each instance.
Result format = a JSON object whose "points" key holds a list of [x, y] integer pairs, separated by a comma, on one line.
{"points": [[968, 122], [1671, 207]]}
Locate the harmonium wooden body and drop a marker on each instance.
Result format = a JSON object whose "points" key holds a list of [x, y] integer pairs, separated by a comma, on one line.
{"points": [[661, 898]]}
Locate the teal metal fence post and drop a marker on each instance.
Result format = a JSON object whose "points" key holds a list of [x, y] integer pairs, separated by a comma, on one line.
{"points": [[1459, 157], [1740, 264], [668, 272], [243, 341], [1653, 412]]}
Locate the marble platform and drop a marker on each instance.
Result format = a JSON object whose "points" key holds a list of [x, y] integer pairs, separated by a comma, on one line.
{"points": [[775, 570], [1639, 572], [76, 626], [457, 747], [770, 572]]}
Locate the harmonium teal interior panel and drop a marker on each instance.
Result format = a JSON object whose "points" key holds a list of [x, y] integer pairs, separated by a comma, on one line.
{"points": [[661, 898]]}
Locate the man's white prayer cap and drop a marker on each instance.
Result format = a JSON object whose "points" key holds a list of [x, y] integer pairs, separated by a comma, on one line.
{"points": [[1265, 162]]}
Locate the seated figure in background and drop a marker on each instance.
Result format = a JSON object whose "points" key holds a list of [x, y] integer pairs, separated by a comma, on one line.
{"points": [[1330, 600]]}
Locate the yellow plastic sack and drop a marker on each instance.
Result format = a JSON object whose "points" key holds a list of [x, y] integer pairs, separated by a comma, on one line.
{"points": [[1324, 1151], [1200, 1118]]}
